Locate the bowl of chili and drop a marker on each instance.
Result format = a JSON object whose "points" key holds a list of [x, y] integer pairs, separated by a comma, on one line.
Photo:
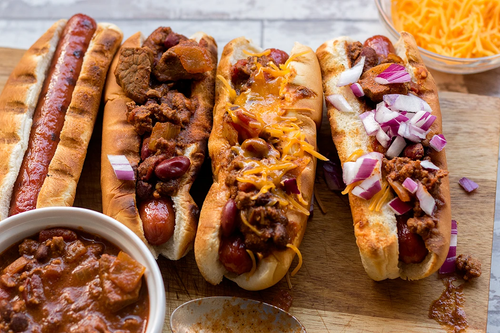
{"points": [[65, 269]]}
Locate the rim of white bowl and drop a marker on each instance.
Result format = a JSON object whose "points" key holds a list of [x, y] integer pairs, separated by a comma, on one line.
{"points": [[15, 228]]}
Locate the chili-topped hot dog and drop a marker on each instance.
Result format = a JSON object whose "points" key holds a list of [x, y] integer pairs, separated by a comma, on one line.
{"points": [[262, 145], [48, 107], [384, 113], [158, 115]]}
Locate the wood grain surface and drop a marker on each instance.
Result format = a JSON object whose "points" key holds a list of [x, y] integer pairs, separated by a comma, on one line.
{"points": [[331, 292]]}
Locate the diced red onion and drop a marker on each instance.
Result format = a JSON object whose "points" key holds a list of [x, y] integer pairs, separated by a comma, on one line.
{"points": [[399, 207], [428, 165], [369, 122], [396, 147], [468, 184], [359, 170], [333, 176], [423, 119], [410, 185], [352, 74], [368, 188], [427, 202], [339, 102], [409, 103], [438, 142], [121, 166], [291, 186], [383, 114], [383, 138], [449, 264], [357, 90], [395, 73]]}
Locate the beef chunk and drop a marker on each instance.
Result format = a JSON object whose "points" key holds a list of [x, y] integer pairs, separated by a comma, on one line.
{"points": [[146, 168], [240, 72], [90, 324], [468, 266], [353, 52], [376, 91], [141, 117], [185, 61], [156, 41], [176, 108], [415, 151], [115, 297], [33, 293], [167, 188], [371, 58], [133, 72], [28, 247]]}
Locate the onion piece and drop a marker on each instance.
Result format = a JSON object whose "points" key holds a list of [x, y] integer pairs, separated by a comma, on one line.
{"points": [[369, 122], [121, 166], [427, 202], [399, 207], [410, 185], [333, 176], [352, 74], [468, 184], [395, 73], [368, 188], [383, 138], [428, 165], [438, 142], [359, 170], [384, 115], [449, 264], [339, 102], [357, 90], [290, 186], [396, 147], [409, 103]]}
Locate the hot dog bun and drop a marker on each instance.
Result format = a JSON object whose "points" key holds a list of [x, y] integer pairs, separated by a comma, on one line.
{"points": [[120, 138], [376, 232], [19, 100], [271, 268]]}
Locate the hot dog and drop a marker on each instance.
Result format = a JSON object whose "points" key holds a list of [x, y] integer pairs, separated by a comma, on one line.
{"points": [[48, 109], [158, 114], [389, 140], [262, 146]]}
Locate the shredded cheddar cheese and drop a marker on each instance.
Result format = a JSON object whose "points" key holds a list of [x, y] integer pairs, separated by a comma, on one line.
{"points": [[355, 155], [379, 197], [245, 222], [230, 90], [254, 263], [299, 255], [455, 28]]}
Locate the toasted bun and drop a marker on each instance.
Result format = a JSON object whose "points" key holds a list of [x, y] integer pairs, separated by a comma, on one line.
{"points": [[59, 188], [120, 138], [376, 232], [272, 268], [17, 106]]}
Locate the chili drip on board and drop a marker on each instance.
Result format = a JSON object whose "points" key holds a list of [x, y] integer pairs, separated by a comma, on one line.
{"points": [[399, 162], [268, 153]]}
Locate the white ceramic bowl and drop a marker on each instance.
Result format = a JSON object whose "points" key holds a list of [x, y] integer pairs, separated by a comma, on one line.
{"points": [[18, 227]]}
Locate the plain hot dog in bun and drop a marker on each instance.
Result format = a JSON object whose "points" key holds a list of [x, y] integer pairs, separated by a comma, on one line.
{"points": [[158, 116], [48, 109], [385, 118], [262, 146]]}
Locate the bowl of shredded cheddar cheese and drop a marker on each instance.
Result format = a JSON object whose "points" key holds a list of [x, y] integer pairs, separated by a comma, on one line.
{"points": [[454, 36]]}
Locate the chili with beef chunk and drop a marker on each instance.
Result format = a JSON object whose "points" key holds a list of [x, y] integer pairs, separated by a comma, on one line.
{"points": [[69, 281]]}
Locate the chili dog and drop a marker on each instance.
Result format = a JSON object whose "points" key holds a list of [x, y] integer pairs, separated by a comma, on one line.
{"points": [[262, 146], [47, 111], [385, 118], [158, 114]]}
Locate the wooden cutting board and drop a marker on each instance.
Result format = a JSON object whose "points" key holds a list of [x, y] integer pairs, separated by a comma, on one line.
{"points": [[331, 292]]}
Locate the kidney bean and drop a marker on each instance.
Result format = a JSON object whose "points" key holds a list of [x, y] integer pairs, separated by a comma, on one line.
{"points": [[256, 147], [145, 151], [279, 57], [66, 234], [172, 168], [415, 151], [381, 44], [158, 218], [228, 218], [411, 246], [233, 256]]}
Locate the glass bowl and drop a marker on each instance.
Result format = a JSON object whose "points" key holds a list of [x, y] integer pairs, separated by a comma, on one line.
{"points": [[437, 61]]}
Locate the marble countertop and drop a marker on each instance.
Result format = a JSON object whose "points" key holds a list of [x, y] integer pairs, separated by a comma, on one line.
{"points": [[270, 23]]}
